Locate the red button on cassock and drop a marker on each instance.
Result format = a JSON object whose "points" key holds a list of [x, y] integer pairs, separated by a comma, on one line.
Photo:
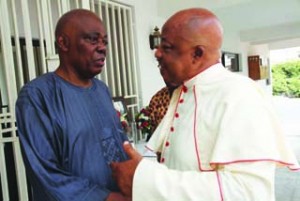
{"points": [[184, 89]]}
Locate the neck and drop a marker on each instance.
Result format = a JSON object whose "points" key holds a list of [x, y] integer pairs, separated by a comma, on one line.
{"points": [[72, 78], [171, 89]]}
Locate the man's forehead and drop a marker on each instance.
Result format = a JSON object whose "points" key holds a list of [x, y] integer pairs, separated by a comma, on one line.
{"points": [[172, 35], [95, 26], [167, 31]]}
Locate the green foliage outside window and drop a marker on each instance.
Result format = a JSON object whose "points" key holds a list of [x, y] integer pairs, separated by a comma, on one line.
{"points": [[286, 79]]}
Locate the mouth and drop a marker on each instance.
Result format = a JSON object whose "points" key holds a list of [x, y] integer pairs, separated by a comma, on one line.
{"points": [[159, 66], [162, 70], [100, 62]]}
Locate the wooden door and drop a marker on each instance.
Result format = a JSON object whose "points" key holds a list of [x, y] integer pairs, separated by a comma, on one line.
{"points": [[254, 67]]}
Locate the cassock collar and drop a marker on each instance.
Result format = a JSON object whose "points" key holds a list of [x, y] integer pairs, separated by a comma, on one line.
{"points": [[206, 76]]}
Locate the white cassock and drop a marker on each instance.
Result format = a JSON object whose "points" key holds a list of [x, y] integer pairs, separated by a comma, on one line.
{"points": [[220, 140]]}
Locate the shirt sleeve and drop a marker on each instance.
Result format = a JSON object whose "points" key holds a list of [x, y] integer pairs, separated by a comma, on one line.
{"points": [[154, 181], [41, 156]]}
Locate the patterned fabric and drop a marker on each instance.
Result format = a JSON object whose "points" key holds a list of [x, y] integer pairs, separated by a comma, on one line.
{"points": [[158, 106], [111, 150]]}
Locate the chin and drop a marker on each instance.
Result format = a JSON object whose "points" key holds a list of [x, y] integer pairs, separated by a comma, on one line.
{"points": [[92, 74], [95, 74], [97, 70]]}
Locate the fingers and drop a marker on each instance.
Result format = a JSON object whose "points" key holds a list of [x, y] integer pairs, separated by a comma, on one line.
{"points": [[113, 165], [128, 148], [131, 152]]}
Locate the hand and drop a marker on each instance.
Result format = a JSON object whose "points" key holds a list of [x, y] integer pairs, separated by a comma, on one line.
{"points": [[117, 197], [123, 172], [158, 155]]}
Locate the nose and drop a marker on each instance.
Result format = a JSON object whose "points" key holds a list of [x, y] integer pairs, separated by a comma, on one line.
{"points": [[102, 43], [101, 47], [157, 53]]}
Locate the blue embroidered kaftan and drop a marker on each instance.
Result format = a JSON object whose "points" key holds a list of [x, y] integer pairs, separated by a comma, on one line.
{"points": [[69, 135]]}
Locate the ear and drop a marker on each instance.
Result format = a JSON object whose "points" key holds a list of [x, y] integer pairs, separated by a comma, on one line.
{"points": [[63, 43], [198, 52]]}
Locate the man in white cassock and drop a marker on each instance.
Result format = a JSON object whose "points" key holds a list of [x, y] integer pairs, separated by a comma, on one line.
{"points": [[220, 138]]}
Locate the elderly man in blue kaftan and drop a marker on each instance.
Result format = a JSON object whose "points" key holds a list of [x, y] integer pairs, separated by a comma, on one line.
{"points": [[70, 135], [68, 128]]}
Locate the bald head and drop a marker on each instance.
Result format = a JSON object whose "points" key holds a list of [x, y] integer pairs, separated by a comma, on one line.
{"points": [[191, 42], [81, 40], [72, 20], [197, 26]]}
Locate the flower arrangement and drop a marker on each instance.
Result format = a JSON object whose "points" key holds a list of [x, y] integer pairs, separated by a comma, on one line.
{"points": [[124, 121], [143, 121]]}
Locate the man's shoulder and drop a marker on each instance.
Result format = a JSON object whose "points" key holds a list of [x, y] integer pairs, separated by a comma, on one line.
{"points": [[161, 93], [99, 82], [41, 82], [100, 85], [160, 97], [37, 88], [237, 86]]}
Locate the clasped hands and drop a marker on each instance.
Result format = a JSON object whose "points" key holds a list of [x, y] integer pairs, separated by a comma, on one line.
{"points": [[123, 172]]}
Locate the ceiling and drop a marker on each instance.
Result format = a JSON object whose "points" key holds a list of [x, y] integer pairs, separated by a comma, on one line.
{"points": [[256, 21]]}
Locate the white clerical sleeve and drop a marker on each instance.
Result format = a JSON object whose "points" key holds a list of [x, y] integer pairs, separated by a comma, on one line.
{"points": [[239, 181]]}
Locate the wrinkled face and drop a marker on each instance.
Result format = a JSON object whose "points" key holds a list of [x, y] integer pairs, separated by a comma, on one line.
{"points": [[175, 56], [88, 47]]}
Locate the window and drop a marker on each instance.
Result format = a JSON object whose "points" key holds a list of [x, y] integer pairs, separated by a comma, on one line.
{"points": [[120, 72]]}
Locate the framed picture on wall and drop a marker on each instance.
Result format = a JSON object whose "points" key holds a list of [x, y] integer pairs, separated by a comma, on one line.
{"points": [[231, 61], [120, 105]]}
